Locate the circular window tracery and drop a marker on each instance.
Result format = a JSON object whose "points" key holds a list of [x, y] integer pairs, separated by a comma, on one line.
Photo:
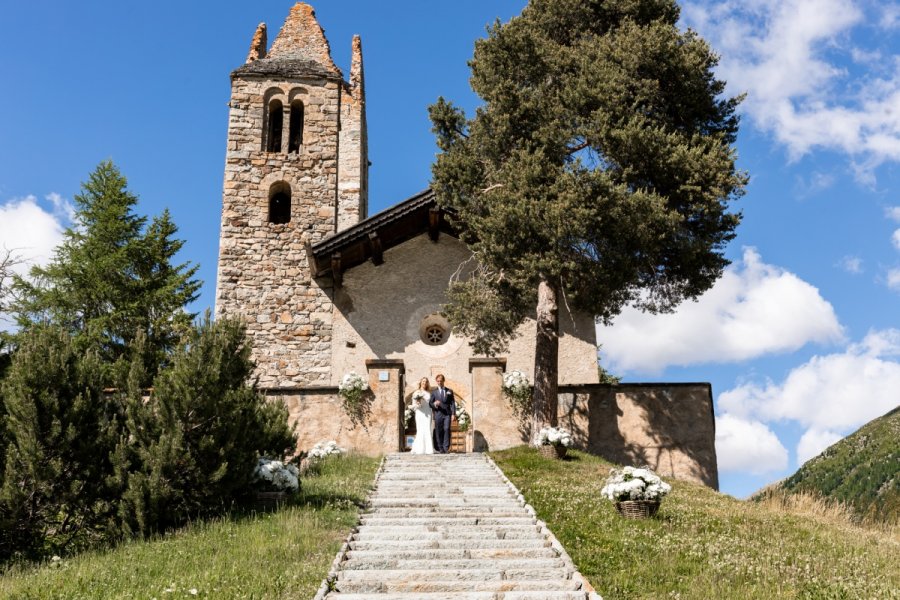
{"points": [[434, 330]]}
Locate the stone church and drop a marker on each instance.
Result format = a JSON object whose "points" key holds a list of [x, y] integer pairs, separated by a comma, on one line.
{"points": [[326, 289]]}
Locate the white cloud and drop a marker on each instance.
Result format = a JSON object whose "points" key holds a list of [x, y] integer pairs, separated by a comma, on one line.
{"points": [[748, 446], [813, 442], [895, 239], [892, 213], [788, 55], [32, 232], [890, 16], [851, 264], [836, 392], [893, 279], [754, 309]]}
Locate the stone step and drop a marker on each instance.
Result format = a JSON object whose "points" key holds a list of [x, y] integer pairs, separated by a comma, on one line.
{"points": [[458, 553], [449, 544], [450, 528], [469, 512], [363, 535], [436, 585], [532, 595], [437, 520], [438, 565], [492, 574], [452, 502], [475, 530]]}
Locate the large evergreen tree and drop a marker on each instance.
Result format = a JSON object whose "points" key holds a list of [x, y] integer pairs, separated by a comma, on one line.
{"points": [[113, 275], [598, 171]]}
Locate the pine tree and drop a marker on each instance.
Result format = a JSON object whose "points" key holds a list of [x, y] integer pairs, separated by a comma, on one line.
{"points": [[599, 171], [112, 276], [62, 429], [192, 447]]}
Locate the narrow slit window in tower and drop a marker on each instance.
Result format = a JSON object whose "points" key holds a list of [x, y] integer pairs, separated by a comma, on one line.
{"points": [[276, 124], [295, 139], [280, 203]]}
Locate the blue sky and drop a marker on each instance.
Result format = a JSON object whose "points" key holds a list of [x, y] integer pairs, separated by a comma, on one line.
{"points": [[800, 339]]}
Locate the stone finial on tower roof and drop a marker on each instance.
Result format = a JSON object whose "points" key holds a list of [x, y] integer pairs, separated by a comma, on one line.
{"points": [[258, 45], [301, 36], [357, 78]]}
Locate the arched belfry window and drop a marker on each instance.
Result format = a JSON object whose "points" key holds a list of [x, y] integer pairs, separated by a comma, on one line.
{"points": [[295, 139], [280, 203], [274, 126]]}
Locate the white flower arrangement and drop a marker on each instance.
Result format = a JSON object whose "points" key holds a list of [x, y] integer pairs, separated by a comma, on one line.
{"points": [[323, 450], [515, 383], [352, 384], [517, 389], [277, 475], [408, 415], [463, 419], [632, 483], [351, 390], [552, 436], [420, 396]]}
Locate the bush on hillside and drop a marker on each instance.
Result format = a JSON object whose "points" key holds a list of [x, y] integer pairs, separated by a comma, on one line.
{"points": [[61, 429], [194, 445]]}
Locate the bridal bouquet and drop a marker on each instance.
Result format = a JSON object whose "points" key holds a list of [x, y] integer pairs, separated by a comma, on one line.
{"points": [[420, 396], [631, 483], [276, 476], [551, 436]]}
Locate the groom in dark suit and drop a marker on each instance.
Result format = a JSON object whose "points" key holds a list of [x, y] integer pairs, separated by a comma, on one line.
{"points": [[443, 406]]}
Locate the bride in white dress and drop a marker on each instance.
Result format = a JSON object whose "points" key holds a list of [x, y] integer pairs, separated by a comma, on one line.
{"points": [[423, 443]]}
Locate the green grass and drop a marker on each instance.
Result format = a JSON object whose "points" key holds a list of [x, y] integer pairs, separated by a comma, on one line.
{"points": [[862, 471], [702, 544], [282, 554]]}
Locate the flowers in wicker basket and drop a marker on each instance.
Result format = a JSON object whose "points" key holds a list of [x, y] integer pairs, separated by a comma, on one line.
{"points": [[553, 436], [323, 450], [276, 476], [632, 483]]}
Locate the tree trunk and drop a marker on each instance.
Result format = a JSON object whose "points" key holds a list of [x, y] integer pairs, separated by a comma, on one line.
{"points": [[546, 359]]}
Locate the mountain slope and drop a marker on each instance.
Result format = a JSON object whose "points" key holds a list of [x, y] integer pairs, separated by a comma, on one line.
{"points": [[862, 471]]}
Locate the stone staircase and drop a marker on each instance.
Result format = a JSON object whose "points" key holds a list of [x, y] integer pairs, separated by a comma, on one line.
{"points": [[450, 526]]}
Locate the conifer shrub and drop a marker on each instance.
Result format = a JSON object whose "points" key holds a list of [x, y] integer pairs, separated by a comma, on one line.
{"points": [[192, 447], [61, 429]]}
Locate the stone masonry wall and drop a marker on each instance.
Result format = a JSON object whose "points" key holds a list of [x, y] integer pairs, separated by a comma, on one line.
{"points": [[668, 426], [263, 273]]}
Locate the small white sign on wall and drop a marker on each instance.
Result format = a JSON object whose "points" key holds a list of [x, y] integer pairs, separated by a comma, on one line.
{"points": [[384, 375]]}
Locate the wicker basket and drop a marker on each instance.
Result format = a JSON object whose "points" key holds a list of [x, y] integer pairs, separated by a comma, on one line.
{"points": [[266, 501], [637, 509], [551, 451]]}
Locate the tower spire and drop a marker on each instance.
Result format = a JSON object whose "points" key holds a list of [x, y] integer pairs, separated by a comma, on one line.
{"points": [[301, 37]]}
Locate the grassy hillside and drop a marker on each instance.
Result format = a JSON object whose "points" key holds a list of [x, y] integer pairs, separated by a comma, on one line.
{"points": [[703, 544], [861, 471], [283, 554]]}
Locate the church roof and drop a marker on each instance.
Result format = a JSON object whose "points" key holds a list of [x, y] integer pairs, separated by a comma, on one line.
{"points": [[368, 239], [301, 49]]}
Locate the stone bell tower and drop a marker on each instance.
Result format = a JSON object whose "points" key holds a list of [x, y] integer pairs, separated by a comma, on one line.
{"points": [[296, 172]]}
